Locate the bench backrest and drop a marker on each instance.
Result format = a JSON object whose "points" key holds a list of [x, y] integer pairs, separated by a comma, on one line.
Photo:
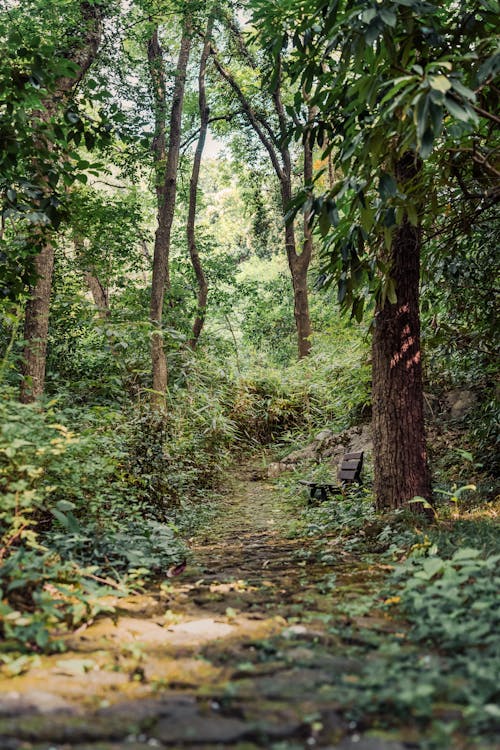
{"points": [[351, 467]]}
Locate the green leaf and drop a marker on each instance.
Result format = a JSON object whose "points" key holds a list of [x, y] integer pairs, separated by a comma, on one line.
{"points": [[63, 505], [324, 223], [436, 117], [466, 553], [420, 113], [440, 83], [359, 309], [387, 186], [463, 90], [398, 84], [391, 292], [412, 214], [368, 15], [456, 110], [432, 566], [388, 17], [427, 143]]}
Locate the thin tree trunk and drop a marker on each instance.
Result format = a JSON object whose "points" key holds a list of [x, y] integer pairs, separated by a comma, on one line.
{"points": [[36, 324], [166, 192], [202, 295], [298, 263], [36, 327], [99, 295], [281, 161], [400, 459]]}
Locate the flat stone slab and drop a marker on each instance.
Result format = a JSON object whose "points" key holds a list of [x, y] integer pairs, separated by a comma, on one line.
{"points": [[33, 701], [289, 684], [128, 630], [357, 742], [199, 729]]}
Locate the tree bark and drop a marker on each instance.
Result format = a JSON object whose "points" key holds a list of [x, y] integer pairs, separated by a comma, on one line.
{"points": [[166, 192], [202, 295], [36, 324], [299, 266], [36, 327], [400, 459], [99, 295]]}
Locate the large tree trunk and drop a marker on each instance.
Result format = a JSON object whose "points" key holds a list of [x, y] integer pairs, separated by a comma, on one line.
{"points": [[202, 295], [166, 197], [36, 324], [400, 460]]}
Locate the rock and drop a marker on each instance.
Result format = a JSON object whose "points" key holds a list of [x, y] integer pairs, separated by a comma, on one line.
{"points": [[326, 445], [63, 729], [148, 709], [33, 701], [360, 439], [460, 402], [360, 742], [324, 435], [199, 729], [295, 630], [288, 685], [275, 469]]}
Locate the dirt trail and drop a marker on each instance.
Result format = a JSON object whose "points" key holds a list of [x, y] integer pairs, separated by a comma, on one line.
{"points": [[235, 653]]}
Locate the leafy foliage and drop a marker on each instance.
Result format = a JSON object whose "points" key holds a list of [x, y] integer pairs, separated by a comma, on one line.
{"points": [[67, 535], [389, 79]]}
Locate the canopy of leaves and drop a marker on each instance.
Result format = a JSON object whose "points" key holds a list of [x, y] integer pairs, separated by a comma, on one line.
{"points": [[386, 79]]}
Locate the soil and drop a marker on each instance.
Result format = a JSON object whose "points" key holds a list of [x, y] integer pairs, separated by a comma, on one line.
{"points": [[234, 652]]}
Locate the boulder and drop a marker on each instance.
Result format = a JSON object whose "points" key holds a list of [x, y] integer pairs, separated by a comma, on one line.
{"points": [[326, 445], [460, 402]]}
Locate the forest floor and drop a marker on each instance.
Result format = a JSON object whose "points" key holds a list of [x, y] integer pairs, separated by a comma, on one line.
{"points": [[238, 651]]}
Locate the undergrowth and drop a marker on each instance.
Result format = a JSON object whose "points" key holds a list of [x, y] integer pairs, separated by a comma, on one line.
{"points": [[439, 665]]}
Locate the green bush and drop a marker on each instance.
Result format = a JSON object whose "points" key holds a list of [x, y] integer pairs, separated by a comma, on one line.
{"points": [[71, 526]]}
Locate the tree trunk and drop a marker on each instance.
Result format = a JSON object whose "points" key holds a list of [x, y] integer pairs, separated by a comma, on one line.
{"points": [[299, 266], [36, 327], [202, 295], [36, 324], [99, 295], [400, 459], [166, 205], [282, 165], [298, 263]]}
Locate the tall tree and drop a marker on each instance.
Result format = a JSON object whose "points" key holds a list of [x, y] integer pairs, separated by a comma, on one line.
{"points": [[400, 90], [202, 295], [80, 53], [272, 129], [166, 188]]}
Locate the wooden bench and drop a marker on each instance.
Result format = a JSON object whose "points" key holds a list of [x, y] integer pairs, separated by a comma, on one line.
{"points": [[349, 472]]}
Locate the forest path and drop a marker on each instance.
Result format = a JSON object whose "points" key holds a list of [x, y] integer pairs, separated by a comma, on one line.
{"points": [[237, 652]]}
